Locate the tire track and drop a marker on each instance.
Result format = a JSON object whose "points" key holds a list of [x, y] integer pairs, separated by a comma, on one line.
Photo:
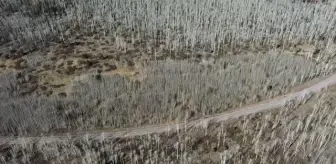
{"points": [[99, 134]]}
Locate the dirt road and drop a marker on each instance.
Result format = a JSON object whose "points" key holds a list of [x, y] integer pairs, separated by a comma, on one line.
{"points": [[298, 93]]}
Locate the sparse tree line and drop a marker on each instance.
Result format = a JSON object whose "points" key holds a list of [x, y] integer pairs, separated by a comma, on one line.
{"points": [[187, 24]]}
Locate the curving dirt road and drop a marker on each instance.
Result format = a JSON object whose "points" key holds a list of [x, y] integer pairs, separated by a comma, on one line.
{"points": [[298, 93]]}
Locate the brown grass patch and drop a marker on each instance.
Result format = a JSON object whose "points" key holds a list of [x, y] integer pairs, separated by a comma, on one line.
{"points": [[7, 66]]}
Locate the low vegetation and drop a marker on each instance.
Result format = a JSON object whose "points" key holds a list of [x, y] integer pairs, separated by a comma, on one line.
{"points": [[164, 91], [301, 132], [79, 65]]}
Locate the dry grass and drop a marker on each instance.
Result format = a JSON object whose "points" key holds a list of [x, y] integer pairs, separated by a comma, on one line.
{"points": [[178, 90], [302, 132], [163, 91], [129, 63]]}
